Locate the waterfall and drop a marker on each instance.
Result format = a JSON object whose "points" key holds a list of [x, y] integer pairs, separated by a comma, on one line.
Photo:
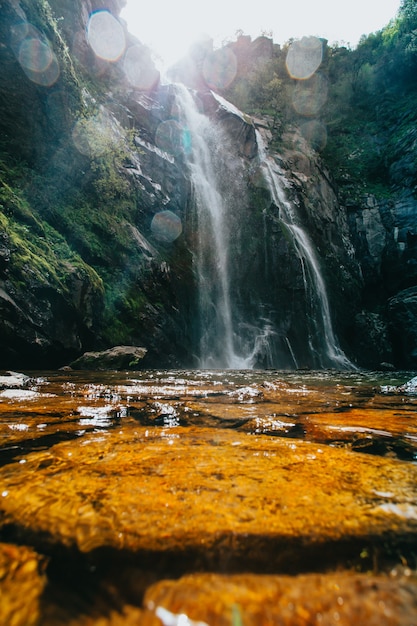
{"points": [[221, 344], [323, 343], [239, 320]]}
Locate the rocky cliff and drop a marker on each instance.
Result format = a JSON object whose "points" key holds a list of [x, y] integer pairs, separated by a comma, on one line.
{"points": [[80, 183], [383, 229], [97, 235]]}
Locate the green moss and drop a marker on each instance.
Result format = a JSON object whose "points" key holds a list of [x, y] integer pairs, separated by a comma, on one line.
{"points": [[37, 250], [124, 304], [14, 206]]}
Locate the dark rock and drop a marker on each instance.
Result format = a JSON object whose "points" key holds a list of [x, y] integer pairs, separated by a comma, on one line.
{"points": [[117, 358], [402, 312], [242, 131], [44, 324], [371, 339]]}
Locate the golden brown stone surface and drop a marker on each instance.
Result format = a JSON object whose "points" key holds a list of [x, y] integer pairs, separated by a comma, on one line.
{"points": [[345, 599], [21, 584], [322, 600], [137, 489]]}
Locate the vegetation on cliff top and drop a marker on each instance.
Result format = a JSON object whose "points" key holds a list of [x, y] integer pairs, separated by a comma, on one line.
{"points": [[367, 121]]}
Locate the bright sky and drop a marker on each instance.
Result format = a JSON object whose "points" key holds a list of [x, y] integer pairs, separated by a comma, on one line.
{"points": [[169, 27]]}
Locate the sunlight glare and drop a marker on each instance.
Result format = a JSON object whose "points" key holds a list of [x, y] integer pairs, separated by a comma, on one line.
{"points": [[168, 137], [315, 133], [304, 57], [94, 136], [170, 29], [166, 226], [308, 97], [34, 53], [138, 69], [106, 36], [219, 68]]}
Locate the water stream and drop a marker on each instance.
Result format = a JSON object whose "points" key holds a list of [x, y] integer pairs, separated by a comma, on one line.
{"points": [[323, 343]]}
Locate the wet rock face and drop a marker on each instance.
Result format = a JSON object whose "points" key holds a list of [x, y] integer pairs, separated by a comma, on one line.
{"points": [[384, 238], [22, 102], [402, 311], [42, 328], [372, 340], [239, 127], [37, 124], [383, 234], [325, 221], [51, 315], [36, 127], [272, 265], [45, 320]]}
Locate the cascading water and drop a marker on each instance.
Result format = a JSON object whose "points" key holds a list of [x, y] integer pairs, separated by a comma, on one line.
{"points": [[220, 345], [323, 343], [240, 321]]}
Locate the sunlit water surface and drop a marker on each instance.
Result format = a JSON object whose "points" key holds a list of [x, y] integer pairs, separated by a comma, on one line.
{"points": [[130, 429], [337, 408]]}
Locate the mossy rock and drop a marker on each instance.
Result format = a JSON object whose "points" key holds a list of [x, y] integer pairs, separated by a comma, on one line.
{"points": [[117, 358]]}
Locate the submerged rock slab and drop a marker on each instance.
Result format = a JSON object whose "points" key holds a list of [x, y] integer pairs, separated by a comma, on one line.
{"points": [[226, 497], [342, 598], [22, 582], [313, 599]]}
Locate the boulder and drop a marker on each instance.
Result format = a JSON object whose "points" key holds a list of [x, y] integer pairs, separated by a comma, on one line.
{"points": [[151, 491], [117, 358]]}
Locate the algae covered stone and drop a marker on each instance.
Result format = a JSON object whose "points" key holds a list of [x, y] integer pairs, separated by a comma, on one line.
{"points": [[213, 492], [311, 599], [22, 581]]}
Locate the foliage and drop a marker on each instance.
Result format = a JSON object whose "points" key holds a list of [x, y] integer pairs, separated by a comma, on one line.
{"points": [[369, 111], [261, 88], [124, 305], [378, 80], [108, 183], [36, 248]]}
